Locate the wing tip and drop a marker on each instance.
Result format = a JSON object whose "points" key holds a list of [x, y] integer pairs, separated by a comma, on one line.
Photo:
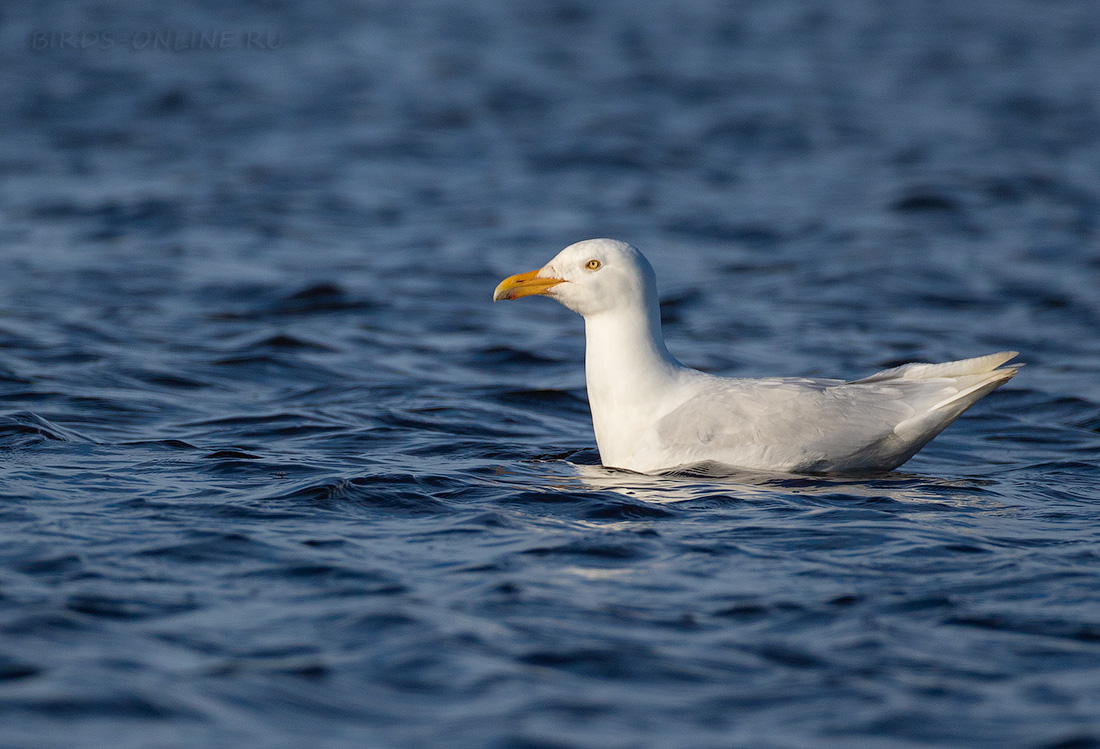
{"points": [[978, 365], [993, 379]]}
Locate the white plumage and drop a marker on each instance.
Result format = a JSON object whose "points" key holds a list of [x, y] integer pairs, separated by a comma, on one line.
{"points": [[651, 413]]}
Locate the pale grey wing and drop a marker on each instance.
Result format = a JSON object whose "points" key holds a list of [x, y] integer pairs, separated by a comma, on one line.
{"points": [[795, 422]]}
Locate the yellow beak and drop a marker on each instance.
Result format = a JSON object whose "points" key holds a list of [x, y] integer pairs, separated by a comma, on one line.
{"points": [[524, 284]]}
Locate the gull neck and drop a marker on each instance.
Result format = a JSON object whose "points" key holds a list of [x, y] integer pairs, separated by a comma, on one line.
{"points": [[628, 371]]}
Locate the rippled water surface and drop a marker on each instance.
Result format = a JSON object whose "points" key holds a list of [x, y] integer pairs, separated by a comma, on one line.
{"points": [[277, 473]]}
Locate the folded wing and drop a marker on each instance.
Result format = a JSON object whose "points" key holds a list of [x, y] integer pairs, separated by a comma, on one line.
{"points": [[797, 424]]}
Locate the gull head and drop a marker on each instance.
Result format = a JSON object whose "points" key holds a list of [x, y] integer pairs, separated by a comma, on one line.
{"points": [[589, 277]]}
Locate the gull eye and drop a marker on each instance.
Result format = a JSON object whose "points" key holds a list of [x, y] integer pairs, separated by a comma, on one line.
{"points": [[592, 264]]}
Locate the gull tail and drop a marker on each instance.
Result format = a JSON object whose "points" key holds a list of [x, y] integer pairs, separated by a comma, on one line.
{"points": [[973, 378], [982, 365], [939, 394], [978, 383]]}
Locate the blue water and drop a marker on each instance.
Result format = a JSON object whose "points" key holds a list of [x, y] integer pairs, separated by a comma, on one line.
{"points": [[276, 473]]}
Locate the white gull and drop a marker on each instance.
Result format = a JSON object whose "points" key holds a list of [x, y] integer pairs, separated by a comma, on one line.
{"points": [[650, 413]]}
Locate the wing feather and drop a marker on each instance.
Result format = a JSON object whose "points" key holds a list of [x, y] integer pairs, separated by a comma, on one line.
{"points": [[807, 424]]}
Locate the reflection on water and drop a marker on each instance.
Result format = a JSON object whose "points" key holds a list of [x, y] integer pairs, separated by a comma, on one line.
{"points": [[702, 482]]}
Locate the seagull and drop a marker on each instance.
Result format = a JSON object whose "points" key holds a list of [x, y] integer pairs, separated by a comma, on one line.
{"points": [[652, 414]]}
